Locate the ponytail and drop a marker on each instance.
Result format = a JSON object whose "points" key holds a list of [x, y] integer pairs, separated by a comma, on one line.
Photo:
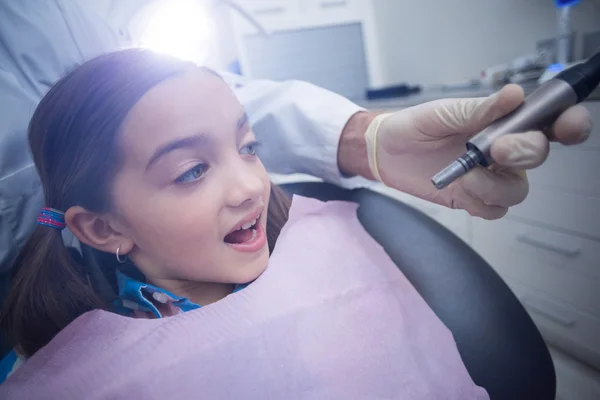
{"points": [[49, 289]]}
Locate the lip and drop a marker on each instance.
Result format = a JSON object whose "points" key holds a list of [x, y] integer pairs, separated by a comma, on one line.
{"points": [[254, 245], [248, 218]]}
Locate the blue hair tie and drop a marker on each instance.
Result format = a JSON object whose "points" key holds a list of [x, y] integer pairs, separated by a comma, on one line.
{"points": [[52, 218]]}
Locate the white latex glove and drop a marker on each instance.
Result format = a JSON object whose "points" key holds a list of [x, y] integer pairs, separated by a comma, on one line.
{"points": [[414, 144]]}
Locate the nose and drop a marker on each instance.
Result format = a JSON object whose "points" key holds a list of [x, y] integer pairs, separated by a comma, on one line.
{"points": [[246, 185]]}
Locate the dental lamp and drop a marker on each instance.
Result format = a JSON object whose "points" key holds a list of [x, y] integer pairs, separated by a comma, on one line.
{"points": [[185, 29]]}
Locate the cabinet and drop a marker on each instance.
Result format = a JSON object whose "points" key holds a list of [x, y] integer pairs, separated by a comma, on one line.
{"points": [[548, 248]]}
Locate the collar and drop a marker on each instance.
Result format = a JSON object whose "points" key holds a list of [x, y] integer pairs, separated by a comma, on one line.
{"points": [[136, 296]]}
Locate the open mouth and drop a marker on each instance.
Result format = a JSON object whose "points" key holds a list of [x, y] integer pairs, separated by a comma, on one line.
{"points": [[244, 234]]}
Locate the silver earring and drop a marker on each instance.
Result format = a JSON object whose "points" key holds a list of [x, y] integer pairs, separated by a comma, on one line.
{"points": [[121, 261]]}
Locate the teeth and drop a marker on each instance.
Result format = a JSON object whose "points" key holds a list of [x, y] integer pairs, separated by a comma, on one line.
{"points": [[249, 224]]}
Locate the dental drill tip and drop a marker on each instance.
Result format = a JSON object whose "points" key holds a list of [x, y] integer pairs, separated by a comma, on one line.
{"points": [[458, 168], [448, 175]]}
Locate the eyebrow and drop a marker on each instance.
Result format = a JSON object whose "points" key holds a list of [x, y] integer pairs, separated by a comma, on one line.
{"points": [[189, 142]]}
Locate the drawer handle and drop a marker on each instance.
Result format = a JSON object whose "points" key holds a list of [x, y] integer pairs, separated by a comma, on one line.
{"points": [[544, 310], [570, 251], [269, 10], [333, 3]]}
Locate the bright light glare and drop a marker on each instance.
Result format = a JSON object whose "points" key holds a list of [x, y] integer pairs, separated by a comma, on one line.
{"points": [[180, 28]]}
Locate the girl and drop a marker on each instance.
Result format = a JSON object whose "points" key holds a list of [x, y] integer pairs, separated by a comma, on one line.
{"points": [[151, 161], [132, 165]]}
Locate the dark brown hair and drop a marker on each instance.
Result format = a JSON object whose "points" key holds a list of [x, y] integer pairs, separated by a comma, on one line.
{"points": [[73, 138]]}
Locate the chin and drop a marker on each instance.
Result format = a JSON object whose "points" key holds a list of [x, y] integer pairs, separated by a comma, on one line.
{"points": [[248, 270]]}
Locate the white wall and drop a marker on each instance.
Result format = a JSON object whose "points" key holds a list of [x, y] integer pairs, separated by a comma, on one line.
{"points": [[440, 41]]}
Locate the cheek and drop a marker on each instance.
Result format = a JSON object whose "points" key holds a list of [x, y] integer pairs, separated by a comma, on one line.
{"points": [[185, 225], [175, 227]]}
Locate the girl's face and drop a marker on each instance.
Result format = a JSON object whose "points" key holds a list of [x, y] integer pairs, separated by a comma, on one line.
{"points": [[190, 178]]}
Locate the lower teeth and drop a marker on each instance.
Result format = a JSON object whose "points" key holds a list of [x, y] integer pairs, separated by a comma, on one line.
{"points": [[253, 235]]}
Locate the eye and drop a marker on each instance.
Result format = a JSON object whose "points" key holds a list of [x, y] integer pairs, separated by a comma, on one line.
{"points": [[192, 174], [250, 148]]}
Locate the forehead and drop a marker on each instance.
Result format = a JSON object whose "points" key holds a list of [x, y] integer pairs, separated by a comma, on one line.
{"points": [[186, 105]]}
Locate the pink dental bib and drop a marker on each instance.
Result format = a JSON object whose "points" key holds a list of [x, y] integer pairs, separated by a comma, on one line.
{"points": [[332, 317]]}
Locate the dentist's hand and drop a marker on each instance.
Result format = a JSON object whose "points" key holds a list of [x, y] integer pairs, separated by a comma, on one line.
{"points": [[415, 143]]}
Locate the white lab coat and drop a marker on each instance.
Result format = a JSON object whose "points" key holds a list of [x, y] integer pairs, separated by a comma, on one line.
{"points": [[298, 124]]}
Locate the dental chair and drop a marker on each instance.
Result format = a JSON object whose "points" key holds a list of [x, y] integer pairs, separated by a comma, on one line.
{"points": [[497, 340]]}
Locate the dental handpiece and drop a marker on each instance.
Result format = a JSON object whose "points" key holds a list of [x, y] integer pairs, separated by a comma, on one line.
{"points": [[540, 109]]}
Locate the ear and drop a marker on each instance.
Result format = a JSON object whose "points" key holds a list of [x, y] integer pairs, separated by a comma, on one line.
{"points": [[101, 232]]}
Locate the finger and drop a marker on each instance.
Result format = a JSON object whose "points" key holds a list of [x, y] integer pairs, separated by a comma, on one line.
{"points": [[503, 188], [473, 115], [572, 127], [521, 150], [467, 116], [462, 199]]}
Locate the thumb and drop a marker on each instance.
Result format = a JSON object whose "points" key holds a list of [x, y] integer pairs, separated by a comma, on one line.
{"points": [[469, 116]]}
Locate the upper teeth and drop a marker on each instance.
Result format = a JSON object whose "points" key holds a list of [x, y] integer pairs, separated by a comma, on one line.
{"points": [[249, 224]]}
